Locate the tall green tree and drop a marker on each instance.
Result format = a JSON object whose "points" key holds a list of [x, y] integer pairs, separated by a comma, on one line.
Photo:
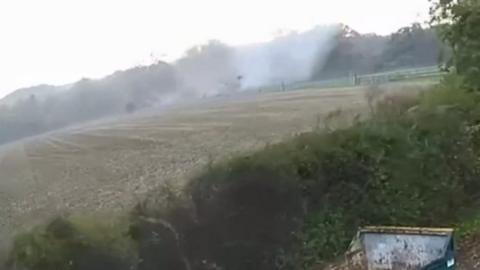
{"points": [[459, 25]]}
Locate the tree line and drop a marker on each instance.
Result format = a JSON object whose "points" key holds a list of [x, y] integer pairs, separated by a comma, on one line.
{"points": [[204, 71]]}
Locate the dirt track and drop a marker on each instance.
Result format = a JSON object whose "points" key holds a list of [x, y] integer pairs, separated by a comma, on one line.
{"points": [[111, 164]]}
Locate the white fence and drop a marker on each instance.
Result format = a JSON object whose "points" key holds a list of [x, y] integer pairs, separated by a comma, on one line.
{"points": [[422, 73]]}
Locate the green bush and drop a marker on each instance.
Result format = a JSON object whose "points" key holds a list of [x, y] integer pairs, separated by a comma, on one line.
{"points": [[79, 243], [459, 25]]}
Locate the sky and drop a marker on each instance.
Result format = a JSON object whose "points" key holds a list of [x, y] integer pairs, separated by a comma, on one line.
{"points": [[60, 41]]}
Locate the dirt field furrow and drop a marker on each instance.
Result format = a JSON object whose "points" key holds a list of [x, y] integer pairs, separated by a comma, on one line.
{"points": [[112, 164]]}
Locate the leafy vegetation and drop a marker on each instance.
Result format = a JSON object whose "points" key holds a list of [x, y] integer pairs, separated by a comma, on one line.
{"points": [[75, 243], [460, 27]]}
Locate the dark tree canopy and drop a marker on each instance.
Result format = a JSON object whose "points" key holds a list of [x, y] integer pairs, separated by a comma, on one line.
{"points": [[459, 24], [411, 46]]}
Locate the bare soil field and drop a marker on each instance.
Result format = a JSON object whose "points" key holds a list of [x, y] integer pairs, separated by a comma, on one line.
{"points": [[111, 164]]}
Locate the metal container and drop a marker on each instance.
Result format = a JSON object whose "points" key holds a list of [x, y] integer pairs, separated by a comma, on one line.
{"points": [[401, 248]]}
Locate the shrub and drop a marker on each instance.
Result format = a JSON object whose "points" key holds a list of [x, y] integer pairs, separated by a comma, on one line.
{"points": [[459, 25], [63, 245], [247, 222]]}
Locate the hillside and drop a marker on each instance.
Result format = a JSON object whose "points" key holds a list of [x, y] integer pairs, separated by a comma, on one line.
{"points": [[41, 92], [109, 165], [412, 154], [216, 69]]}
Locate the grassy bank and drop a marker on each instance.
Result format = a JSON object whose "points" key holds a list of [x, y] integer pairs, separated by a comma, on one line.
{"points": [[292, 205]]}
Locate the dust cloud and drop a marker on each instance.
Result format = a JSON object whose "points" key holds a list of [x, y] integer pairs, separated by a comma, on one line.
{"points": [[286, 59], [208, 70]]}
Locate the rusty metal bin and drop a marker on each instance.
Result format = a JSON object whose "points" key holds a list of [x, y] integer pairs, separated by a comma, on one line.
{"points": [[401, 248]]}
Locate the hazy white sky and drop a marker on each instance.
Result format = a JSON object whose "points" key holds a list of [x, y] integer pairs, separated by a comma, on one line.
{"points": [[61, 41]]}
